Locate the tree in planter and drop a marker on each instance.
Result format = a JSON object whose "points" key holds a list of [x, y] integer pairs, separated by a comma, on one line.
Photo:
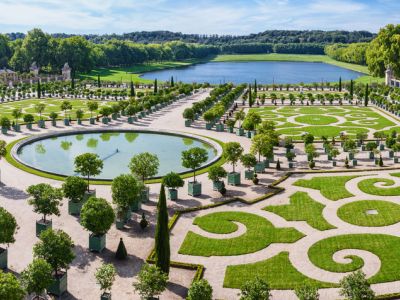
{"points": [[162, 247], [311, 152], [88, 164], [79, 114], [151, 282], [173, 181], [248, 161], [39, 109], [334, 152], [105, 277], [125, 191], [261, 145], [74, 189], [255, 289], [230, 123], [55, 247], [355, 286], [37, 277], [252, 120], [307, 292], [215, 174], [66, 106], [290, 156], [193, 159], [308, 138], [3, 150], [10, 287], [209, 116], [239, 116], [28, 119], [232, 153], [361, 137], [5, 124], [53, 116], [288, 144], [144, 165], [371, 147], [92, 106], [200, 290], [8, 228], [45, 200], [17, 114], [97, 216], [105, 111], [189, 114]]}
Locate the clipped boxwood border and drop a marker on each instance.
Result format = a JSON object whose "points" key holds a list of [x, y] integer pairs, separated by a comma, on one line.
{"points": [[9, 158]]}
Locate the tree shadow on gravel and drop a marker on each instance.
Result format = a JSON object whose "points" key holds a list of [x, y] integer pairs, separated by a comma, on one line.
{"points": [[12, 192]]}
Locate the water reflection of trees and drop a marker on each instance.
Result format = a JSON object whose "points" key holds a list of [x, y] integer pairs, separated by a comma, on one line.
{"points": [[65, 145], [106, 136], [187, 141], [131, 136], [40, 149], [92, 143]]}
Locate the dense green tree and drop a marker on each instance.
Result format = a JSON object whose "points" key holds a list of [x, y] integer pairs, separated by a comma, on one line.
{"points": [[8, 227], [144, 165], [45, 200], [232, 153], [74, 188], [256, 289], [10, 287], [356, 287], [105, 277], [200, 290], [88, 164], [151, 281], [162, 247], [307, 292], [194, 158], [37, 277], [97, 216]]}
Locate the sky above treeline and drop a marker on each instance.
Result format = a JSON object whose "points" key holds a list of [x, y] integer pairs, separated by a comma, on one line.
{"points": [[195, 16]]}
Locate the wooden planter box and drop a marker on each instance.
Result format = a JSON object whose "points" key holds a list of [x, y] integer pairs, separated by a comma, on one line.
{"points": [[266, 163], [194, 188], [381, 147], [217, 185], [42, 226], [249, 174], [395, 160], [230, 129], [74, 208], [105, 296], [354, 162], [260, 167], [145, 195], [248, 134], [136, 205], [188, 123], [234, 178], [29, 126], [79, 122], [3, 258], [17, 127], [239, 131], [104, 120], [351, 156], [92, 121], [114, 116], [59, 285], [172, 194], [89, 194], [66, 122], [41, 124], [4, 130], [209, 126], [371, 155], [97, 243], [119, 224], [53, 123], [391, 154], [220, 127], [291, 165]]}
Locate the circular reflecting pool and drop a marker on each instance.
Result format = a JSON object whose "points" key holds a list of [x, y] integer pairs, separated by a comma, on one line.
{"points": [[56, 154]]}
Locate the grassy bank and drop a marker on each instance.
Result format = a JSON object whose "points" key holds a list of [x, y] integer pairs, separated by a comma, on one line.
{"points": [[126, 74], [303, 58]]}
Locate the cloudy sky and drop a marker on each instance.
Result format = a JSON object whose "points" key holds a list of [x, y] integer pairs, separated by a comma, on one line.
{"points": [[195, 16]]}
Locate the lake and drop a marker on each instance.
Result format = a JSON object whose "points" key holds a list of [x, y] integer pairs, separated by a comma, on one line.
{"points": [[266, 72]]}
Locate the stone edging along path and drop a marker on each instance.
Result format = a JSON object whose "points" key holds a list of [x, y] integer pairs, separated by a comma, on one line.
{"points": [[340, 256]]}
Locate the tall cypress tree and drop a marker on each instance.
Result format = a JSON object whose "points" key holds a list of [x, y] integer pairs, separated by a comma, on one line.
{"points": [[351, 89], [98, 81], [155, 86], [255, 88], [172, 81], [366, 95], [250, 97], [132, 90], [162, 234], [39, 89], [340, 84]]}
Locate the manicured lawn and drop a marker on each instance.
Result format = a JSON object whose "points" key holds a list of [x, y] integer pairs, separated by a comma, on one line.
{"points": [[52, 105], [302, 208], [386, 247], [259, 234], [331, 187], [301, 57], [318, 120], [368, 186], [126, 74], [359, 213], [277, 271]]}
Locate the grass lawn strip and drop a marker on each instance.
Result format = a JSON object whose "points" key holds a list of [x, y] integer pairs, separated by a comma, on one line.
{"points": [[302, 208], [277, 271], [370, 213], [331, 187], [386, 247], [260, 233], [368, 187]]}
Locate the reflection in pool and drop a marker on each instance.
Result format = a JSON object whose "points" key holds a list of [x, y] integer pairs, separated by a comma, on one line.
{"points": [[57, 154]]}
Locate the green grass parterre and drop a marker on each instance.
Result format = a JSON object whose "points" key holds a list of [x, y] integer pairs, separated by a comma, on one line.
{"points": [[369, 186]]}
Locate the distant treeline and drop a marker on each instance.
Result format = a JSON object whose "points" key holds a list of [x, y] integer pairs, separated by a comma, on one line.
{"points": [[269, 36], [351, 53]]}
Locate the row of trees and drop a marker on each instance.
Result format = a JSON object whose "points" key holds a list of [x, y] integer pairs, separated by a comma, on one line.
{"points": [[351, 53]]}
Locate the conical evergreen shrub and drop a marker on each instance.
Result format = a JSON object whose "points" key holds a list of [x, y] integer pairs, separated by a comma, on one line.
{"points": [[121, 253], [162, 247]]}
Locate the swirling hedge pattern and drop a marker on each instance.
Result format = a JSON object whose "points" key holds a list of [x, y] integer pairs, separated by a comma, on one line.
{"points": [[368, 186], [259, 234], [358, 213], [386, 247]]}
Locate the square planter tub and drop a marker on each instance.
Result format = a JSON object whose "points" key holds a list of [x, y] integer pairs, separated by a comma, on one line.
{"points": [[234, 178], [194, 188]]}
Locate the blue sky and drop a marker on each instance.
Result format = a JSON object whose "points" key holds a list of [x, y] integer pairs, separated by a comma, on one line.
{"points": [[195, 16]]}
